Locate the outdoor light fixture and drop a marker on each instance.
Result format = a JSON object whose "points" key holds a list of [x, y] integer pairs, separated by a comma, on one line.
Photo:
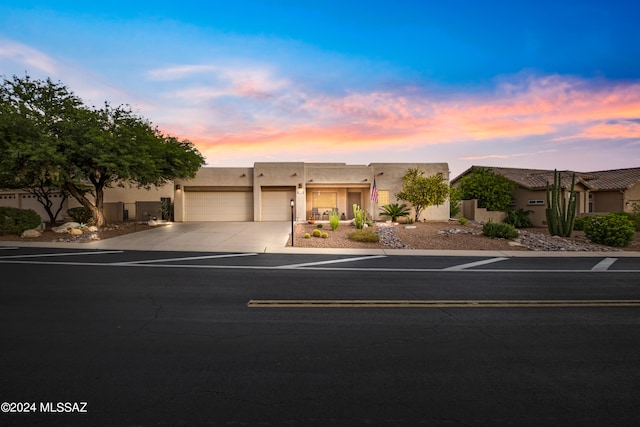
{"points": [[293, 203], [177, 186]]}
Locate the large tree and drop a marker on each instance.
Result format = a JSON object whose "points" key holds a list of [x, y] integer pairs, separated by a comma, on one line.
{"points": [[493, 191], [31, 114], [423, 191], [87, 149]]}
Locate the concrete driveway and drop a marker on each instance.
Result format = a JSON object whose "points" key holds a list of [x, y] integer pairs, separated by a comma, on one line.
{"points": [[205, 236]]}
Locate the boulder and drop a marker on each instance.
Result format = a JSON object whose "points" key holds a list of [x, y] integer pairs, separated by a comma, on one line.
{"points": [[75, 232], [31, 233], [64, 228], [152, 222], [92, 228]]}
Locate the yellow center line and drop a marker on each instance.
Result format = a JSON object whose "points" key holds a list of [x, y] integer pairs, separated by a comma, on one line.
{"points": [[438, 303]]}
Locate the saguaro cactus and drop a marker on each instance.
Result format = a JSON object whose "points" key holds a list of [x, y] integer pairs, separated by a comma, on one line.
{"points": [[561, 213]]}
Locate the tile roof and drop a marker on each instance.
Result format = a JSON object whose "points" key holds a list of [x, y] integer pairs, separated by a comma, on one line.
{"points": [[536, 179]]}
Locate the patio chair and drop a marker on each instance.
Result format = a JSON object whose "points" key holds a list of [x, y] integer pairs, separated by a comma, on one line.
{"points": [[314, 213]]}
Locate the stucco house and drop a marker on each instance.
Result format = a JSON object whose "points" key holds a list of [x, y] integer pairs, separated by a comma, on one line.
{"points": [[263, 192], [597, 192], [259, 193]]}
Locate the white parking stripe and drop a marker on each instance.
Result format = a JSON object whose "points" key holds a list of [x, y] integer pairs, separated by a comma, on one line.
{"points": [[331, 261], [62, 254], [604, 264], [182, 259], [474, 264]]}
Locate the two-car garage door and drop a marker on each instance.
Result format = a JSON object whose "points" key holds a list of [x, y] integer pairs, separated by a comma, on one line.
{"points": [[204, 204], [218, 205]]}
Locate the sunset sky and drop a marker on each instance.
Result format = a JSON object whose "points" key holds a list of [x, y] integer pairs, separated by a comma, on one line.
{"points": [[537, 84]]}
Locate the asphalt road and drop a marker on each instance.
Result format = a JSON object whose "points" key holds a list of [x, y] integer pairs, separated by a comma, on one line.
{"points": [[153, 339]]}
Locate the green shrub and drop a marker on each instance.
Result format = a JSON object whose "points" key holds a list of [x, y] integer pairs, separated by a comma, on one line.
{"points": [[318, 225], [15, 221], [334, 219], [578, 224], [499, 230], [611, 230], [316, 233], [324, 235], [364, 235], [634, 218], [307, 235], [519, 218], [395, 211], [462, 220], [80, 214]]}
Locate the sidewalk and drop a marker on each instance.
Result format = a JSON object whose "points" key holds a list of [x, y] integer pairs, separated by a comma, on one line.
{"points": [[266, 237]]}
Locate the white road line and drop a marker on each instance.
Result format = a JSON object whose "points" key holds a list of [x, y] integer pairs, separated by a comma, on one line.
{"points": [[182, 259], [324, 269], [604, 264], [331, 261], [474, 264], [62, 254]]}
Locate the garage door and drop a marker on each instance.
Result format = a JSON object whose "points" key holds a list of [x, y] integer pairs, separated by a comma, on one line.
{"points": [[218, 206], [276, 205]]}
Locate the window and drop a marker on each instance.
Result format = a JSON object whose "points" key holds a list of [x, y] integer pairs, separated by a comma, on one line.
{"points": [[325, 200], [383, 197], [535, 202]]}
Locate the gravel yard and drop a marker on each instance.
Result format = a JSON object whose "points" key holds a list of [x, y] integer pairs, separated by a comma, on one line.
{"points": [[449, 235]]}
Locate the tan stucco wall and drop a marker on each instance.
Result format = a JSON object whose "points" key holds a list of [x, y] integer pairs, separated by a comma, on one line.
{"points": [[631, 196]]}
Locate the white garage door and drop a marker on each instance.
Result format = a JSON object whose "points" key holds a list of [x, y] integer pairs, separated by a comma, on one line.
{"points": [[276, 205], [218, 206]]}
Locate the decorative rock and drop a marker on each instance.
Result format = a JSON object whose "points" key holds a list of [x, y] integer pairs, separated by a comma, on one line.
{"points": [[64, 228], [92, 228], [409, 227], [75, 232], [31, 233], [152, 223], [389, 238]]}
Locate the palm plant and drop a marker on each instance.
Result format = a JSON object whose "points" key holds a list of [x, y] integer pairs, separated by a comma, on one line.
{"points": [[394, 211]]}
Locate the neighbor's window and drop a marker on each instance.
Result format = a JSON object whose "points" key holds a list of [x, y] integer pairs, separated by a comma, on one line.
{"points": [[383, 197], [535, 202], [322, 199]]}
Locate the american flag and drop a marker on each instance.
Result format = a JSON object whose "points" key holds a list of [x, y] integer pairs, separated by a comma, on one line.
{"points": [[374, 192]]}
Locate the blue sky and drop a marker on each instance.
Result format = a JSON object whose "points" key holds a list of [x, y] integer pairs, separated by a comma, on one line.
{"points": [[496, 83]]}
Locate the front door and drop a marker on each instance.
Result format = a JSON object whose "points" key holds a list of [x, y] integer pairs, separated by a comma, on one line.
{"points": [[353, 199]]}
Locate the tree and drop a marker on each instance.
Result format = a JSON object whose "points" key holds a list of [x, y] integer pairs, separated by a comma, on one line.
{"points": [[85, 150], [31, 113], [423, 191], [493, 191]]}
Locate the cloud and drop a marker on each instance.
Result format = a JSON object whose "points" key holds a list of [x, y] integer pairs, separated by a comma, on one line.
{"points": [[27, 57]]}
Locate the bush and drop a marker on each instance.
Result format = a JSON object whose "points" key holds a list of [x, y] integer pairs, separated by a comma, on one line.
{"points": [[307, 235], [364, 235], [15, 221], [318, 225], [80, 214], [499, 230], [519, 218], [611, 230], [462, 220], [395, 211], [578, 224], [316, 233], [634, 218]]}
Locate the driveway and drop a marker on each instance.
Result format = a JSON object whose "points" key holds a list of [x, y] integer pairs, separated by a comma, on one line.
{"points": [[205, 236]]}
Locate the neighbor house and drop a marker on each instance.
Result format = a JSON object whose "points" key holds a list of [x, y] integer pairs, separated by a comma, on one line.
{"points": [[597, 192]]}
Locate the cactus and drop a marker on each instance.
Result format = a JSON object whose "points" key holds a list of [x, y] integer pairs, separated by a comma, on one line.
{"points": [[359, 216], [560, 214]]}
